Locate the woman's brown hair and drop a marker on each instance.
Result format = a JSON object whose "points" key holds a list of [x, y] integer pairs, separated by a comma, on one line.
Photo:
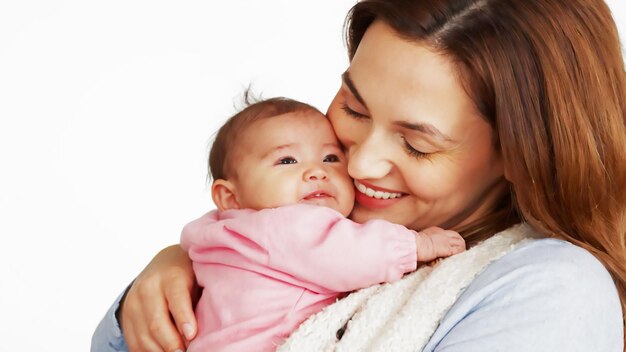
{"points": [[549, 77]]}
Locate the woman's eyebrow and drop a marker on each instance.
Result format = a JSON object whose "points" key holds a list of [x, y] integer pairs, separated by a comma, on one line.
{"points": [[345, 77]]}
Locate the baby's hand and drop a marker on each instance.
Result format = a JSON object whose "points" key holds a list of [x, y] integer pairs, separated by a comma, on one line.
{"points": [[435, 242]]}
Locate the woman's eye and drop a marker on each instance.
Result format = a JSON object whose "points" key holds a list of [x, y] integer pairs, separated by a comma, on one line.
{"points": [[350, 112], [412, 151], [331, 158], [286, 160]]}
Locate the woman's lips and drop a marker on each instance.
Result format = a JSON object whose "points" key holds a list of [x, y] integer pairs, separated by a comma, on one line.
{"points": [[375, 197]]}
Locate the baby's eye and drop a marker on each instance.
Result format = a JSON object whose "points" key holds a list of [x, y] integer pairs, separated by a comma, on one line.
{"points": [[287, 160], [331, 158]]}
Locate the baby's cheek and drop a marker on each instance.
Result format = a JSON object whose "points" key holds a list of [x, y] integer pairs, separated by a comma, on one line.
{"points": [[347, 196]]}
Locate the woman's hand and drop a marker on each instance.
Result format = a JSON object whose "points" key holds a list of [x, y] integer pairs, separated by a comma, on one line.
{"points": [[157, 310]]}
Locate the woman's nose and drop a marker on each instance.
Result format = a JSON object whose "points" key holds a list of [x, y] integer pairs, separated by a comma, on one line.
{"points": [[315, 173], [369, 159]]}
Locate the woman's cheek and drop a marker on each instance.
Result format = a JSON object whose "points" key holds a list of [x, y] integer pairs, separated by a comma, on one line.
{"points": [[430, 180]]}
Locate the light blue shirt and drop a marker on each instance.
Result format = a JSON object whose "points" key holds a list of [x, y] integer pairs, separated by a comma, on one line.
{"points": [[546, 295]]}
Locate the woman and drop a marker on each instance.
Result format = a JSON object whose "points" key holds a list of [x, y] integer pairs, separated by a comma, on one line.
{"points": [[482, 114]]}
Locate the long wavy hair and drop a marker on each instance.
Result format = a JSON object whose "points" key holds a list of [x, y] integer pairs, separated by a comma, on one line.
{"points": [[548, 75]]}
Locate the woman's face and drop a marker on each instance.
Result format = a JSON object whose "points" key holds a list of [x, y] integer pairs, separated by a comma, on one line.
{"points": [[419, 152]]}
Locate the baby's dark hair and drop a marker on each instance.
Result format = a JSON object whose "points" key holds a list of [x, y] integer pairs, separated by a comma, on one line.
{"points": [[226, 137]]}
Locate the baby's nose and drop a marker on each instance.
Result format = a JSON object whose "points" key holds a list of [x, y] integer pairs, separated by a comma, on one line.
{"points": [[315, 174]]}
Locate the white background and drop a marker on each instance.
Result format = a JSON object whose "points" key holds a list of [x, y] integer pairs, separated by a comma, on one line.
{"points": [[106, 111]]}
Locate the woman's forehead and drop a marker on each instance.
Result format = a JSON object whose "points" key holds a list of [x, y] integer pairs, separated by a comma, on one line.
{"points": [[403, 80]]}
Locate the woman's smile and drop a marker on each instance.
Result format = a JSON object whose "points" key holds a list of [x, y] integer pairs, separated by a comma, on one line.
{"points": [[374, 197]]}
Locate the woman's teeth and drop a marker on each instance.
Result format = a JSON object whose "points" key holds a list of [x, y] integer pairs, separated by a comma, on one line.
{"points": [[376, 194]]}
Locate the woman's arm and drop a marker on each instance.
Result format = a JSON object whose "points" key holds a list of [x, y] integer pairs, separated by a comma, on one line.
{"points": [[108, 336], [156, 309]]}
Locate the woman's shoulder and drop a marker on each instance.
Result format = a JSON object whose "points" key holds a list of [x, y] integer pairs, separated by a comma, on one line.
{"points": [[553, 262], [546, 293], [546, 261], [552, 255], [546, 269]]}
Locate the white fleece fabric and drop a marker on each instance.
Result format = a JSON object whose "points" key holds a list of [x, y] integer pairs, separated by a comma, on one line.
{"points": [[403, 315]]}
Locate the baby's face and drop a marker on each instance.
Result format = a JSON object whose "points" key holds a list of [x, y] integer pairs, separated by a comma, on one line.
{"points": [[292, 158]]}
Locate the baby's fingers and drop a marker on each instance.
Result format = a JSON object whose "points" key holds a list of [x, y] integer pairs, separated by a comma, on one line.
{"points": [[457, 247], [456, 242]]}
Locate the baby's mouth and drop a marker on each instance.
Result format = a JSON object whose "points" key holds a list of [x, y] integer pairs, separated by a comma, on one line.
{"points": [[317, 195]]}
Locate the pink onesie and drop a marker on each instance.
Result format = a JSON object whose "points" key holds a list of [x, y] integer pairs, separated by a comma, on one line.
{"points": [[264, 272]]}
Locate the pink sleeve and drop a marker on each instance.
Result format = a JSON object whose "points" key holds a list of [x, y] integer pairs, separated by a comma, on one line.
{"points": [[315, 245]]}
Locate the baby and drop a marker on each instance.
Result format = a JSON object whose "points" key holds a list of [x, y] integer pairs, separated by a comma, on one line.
{"points": [[280, 248]]}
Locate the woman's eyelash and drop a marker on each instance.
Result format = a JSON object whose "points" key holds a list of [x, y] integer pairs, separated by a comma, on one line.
{"points": [[412, 151], [351, 112], [409, 149]]}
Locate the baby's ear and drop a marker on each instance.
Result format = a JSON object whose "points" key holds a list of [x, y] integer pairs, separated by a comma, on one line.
{"points": [[224, 195]]}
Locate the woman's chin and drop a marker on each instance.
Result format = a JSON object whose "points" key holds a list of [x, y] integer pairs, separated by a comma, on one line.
{"points": [[401, 213]]}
